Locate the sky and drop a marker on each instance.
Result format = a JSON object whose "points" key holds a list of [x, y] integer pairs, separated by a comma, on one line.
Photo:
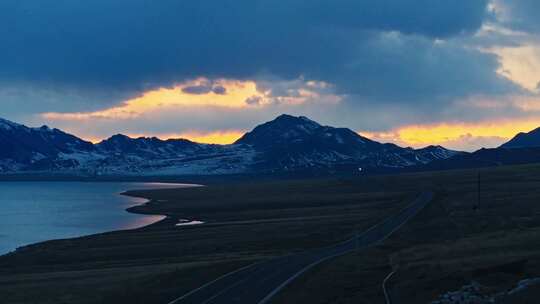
{"points": [[464, 74]]}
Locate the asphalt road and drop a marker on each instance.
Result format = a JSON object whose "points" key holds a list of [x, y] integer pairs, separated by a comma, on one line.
{"points": [[259, 282]]}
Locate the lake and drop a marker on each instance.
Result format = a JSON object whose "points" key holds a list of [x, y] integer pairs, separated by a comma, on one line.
{"points": [[31, 212]]}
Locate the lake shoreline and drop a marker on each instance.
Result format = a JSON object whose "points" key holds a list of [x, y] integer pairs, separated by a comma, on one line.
{"points": [[145, 208], [162, 220]]}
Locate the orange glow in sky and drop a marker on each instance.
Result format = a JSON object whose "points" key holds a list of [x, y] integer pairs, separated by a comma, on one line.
{"points": [[219, 137], [446, 134], [168, 100], [213, 137], [452, 134], [164, 99]]}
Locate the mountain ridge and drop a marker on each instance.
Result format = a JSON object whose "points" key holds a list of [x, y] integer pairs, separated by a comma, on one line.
{"points": [[524, 140], [286, 144]]}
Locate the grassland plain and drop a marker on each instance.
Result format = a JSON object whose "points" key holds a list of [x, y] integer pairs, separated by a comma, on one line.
{"points": [[453, 241]]}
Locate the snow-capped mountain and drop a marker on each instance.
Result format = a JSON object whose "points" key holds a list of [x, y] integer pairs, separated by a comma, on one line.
{"points": [[285, 144], [24, 148], [153, 156], [148, 147], [291, 143], [432, 153]]}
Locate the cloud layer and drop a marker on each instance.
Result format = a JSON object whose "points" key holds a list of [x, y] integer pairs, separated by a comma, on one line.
{"points": [[137, 45], [173, 67]]}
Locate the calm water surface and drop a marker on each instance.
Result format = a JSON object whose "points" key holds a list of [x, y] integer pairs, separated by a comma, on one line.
{"points": [[31, 212]]}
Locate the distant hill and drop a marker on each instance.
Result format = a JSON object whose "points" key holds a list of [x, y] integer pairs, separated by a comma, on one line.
{"points": [[485, 158], [524, 148], [524, 140], [284, 145]]}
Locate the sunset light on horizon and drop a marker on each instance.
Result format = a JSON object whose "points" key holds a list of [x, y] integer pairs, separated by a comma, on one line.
{"points": [[472, 81]]}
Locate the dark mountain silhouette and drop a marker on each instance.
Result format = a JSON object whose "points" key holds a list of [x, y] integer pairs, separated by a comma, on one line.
{"points": [[524, 140], [285, 144], [485, 158], [524, 148], [36, 148], [290, 142]]}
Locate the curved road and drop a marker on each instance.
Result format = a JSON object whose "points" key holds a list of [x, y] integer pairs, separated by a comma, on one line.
{"points": [[258, 283]]}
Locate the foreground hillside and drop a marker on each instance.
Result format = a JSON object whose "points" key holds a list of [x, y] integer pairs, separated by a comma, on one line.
{"points": [[287, 144], [455, 242]]}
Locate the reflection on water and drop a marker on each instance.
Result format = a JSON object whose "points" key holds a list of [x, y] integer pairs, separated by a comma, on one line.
{"points": [[37, 211]]}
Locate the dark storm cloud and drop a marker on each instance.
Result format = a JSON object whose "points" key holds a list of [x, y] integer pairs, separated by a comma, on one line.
{"points": [[19, 101], [220, 90], [140, 44], [197, 90], [411, 68], [205, 89]]}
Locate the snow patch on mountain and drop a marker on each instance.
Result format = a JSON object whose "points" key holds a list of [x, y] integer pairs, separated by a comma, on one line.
{"points": [[285, 144]]}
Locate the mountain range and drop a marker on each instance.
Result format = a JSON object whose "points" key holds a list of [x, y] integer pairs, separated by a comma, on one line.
{"points": [[285, 144]]}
